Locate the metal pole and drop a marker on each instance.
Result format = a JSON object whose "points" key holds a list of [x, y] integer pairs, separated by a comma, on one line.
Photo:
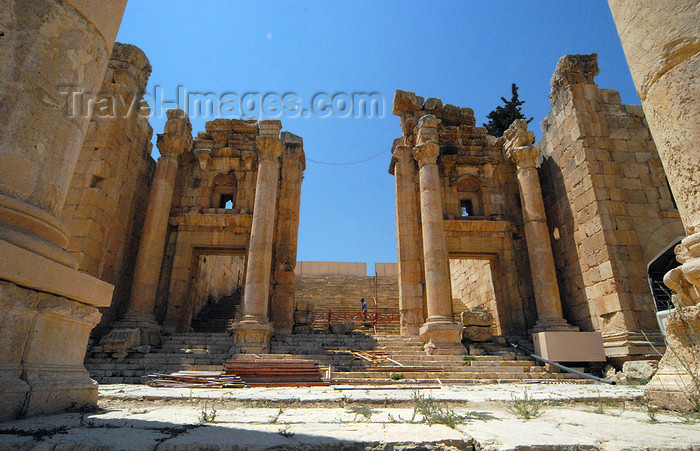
{"points": [[562, 367]]}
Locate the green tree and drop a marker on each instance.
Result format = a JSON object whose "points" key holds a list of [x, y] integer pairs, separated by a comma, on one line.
{"points": [[501, 118]]}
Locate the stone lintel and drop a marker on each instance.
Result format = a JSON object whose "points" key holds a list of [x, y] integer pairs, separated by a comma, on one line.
{"points": [[27, 269]]}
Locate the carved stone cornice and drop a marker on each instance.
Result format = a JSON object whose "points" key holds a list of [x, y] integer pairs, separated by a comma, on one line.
{"points": [[269, 148], [426, 153], [177, 135]]}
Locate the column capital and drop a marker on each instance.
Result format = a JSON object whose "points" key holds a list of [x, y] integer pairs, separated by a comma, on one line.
{"points": [[523, 157], [427, 129], [426, 153], [518, 144], [402, 152], [269, 148], [177, 135]]}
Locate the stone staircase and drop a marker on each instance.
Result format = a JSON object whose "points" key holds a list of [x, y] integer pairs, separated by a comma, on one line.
{"points": [[499, 366], [216, 316], [209, 351], [177, 352]]}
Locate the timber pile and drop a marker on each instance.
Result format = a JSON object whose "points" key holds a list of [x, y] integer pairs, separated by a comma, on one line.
{"points": [[276, 373], [195, 379]]}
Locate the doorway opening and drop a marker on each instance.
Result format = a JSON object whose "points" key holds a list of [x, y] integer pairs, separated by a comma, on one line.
{"points": [[217, 288], [472, 286]]}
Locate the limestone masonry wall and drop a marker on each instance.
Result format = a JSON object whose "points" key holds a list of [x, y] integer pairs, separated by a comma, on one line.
{"points": [[342, 293], [109, 189], [472, 286], [608, 205]]}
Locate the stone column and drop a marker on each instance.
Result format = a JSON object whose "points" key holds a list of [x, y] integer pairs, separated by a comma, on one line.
{"points": [[48, 307], [254, 330], [409, 242], [138, 327], [286, 234], [518, 149], [661, 42], [440, 333]]}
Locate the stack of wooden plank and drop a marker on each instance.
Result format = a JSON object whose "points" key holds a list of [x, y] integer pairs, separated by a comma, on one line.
{"points": [[277, 373], [195, 379]]}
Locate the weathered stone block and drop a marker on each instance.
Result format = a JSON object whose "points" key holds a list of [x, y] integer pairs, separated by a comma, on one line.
{"points": [[477, 333]]}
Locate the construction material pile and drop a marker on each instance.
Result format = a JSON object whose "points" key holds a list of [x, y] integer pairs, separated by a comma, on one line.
{"points": [[195, 379], [276, 373]]}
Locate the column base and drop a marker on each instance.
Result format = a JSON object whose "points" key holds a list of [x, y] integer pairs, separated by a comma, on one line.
{"points": [[553, 325], [442, 338], [411, 322], [134, 330], [676, 385], [44, 337], [623, 346], [252, 336]]}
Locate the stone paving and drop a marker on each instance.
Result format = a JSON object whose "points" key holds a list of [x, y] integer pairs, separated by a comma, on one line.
{"points": [[595, 417]]}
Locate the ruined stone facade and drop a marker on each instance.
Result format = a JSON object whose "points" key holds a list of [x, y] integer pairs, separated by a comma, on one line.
{"points": [[479, 204], [609, 207], [212, 214], [112, 179], [606, 203]]}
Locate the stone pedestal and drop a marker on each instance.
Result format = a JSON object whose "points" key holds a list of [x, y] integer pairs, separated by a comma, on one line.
{"points": [[544, 277], [442, 338], [676, 385], [48, 313], [253, 331], [252, 336], [139, 326], [440, 333]]}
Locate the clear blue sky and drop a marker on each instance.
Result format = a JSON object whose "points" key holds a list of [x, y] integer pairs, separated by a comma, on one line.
{"points": [[465, 52]]}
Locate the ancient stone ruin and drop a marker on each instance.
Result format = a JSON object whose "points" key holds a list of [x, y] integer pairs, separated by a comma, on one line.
{"points": [[551, 242]]}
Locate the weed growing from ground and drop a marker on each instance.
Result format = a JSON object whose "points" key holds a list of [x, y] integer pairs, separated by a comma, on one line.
{"points": [[396, 376], [468, 358], [277, 417], [207, 415], [284, 432], [649, 409], [525, 407], [433, 412], [365, 411]]}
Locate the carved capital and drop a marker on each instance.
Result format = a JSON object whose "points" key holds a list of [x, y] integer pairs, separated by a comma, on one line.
{"points": [[426, 153], [427, 129], [574, 70], [269, 148], [518, 144], [177, 136], [523, 157], [402, 152]]}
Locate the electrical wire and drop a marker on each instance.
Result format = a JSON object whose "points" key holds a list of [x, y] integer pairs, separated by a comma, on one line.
{"points": [[330, 163]]}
